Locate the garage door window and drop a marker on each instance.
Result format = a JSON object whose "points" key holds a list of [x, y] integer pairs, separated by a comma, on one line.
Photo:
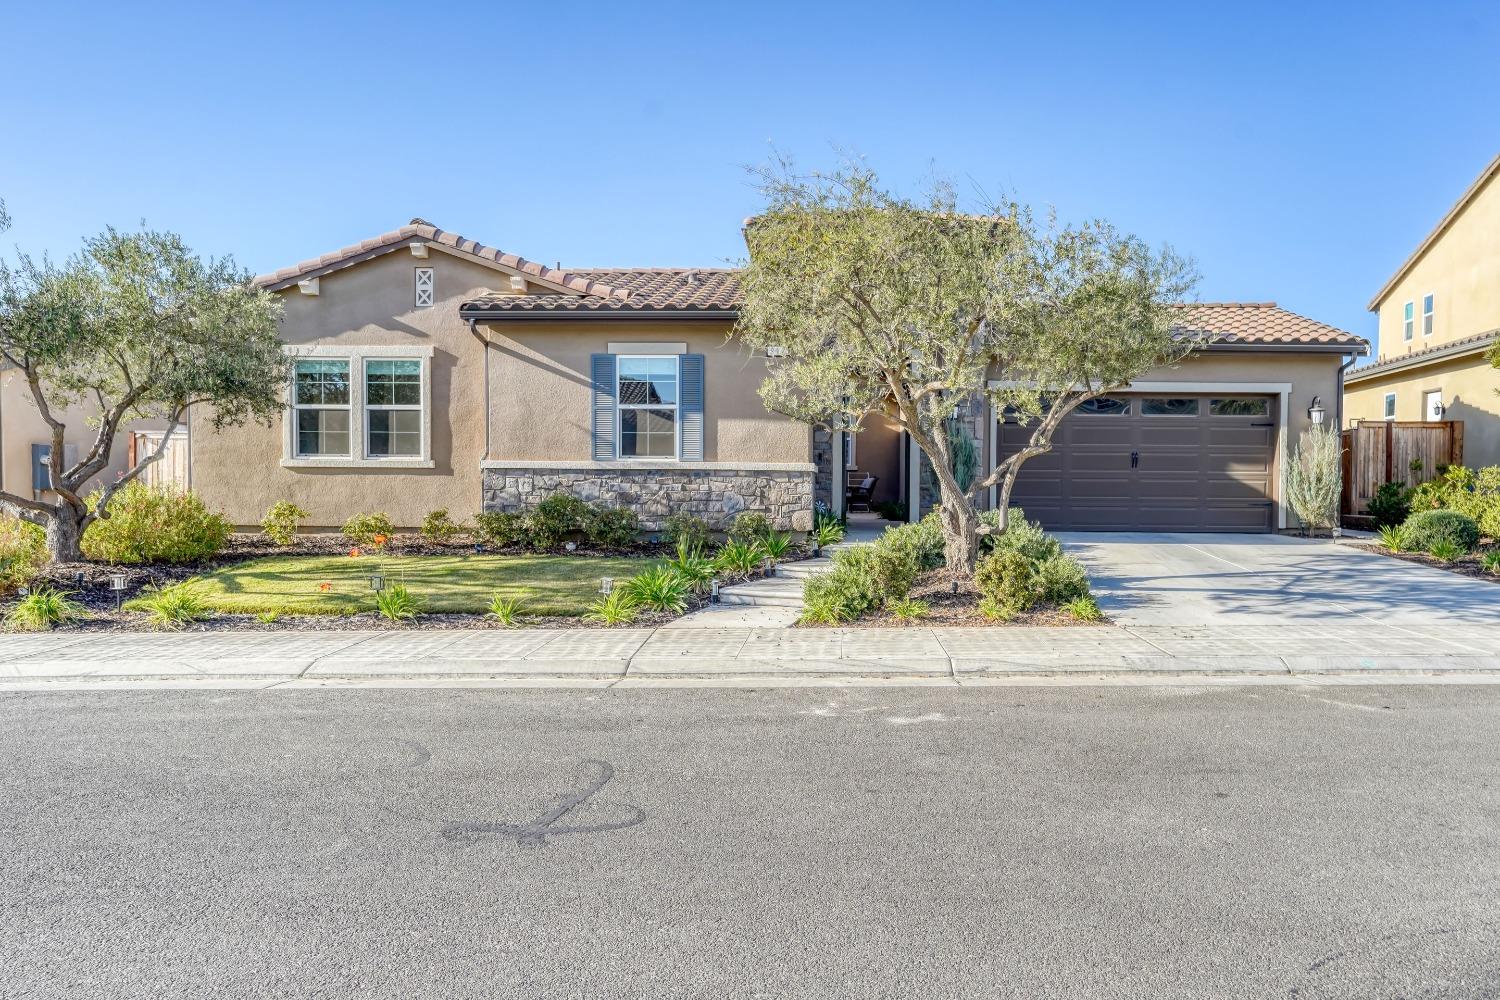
{"points": [[1240, 407], [1186, 406], [1105, 406]]}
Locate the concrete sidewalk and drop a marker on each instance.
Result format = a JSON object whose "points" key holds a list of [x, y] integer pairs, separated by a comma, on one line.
{"points": [[750, 655]]}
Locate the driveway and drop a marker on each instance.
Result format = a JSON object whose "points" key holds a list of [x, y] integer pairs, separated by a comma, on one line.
{"points": [[1205, 579]]}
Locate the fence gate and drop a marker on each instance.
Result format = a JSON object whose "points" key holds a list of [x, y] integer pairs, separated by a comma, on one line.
{"points": [[1401, 451]]}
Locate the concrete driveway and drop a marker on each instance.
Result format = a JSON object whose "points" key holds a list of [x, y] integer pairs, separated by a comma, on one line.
{"points": [[1204, 579]]}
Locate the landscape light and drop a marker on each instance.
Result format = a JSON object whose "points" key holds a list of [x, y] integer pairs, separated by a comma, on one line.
{"points": [[377, 582], [606, 585]]}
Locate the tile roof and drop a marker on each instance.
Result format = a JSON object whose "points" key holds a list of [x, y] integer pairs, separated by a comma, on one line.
{"points": [[419, 230], [1438, 352], [674, 289], [1262, 323]]}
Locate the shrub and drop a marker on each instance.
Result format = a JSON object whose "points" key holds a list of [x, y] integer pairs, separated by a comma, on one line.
{"points": [[1085, 609], [173, 608], [776, 545], [280, 522], [923, 539], [1007, 581], [1061, 579], [1426, 528], [1314, 476], [890, 511], [660, 589], [1393, 538], [42, 609], [750, 526], [848, 591], [827, 531], [23, 551], [438, 527], [683, 527], [1491, 562], [1475, 493], [1391, 505], [615, 608], [1443, 491], [398, 604], [693, 566], [1021, 535], [909, 609], [155, 524], [501, 529], [739, 558], [1445, 550], [895, 559], [615, 527], [370, 530], [506, 610], [555, 518]]}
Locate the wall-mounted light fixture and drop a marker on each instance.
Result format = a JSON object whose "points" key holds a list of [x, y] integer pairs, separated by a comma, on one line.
{"points": [[1315, 412]]}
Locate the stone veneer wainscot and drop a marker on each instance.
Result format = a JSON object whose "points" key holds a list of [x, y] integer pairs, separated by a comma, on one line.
{"points": [[713, 491]]}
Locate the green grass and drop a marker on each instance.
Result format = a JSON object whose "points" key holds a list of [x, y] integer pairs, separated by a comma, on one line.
{"points": [[290, 585]]}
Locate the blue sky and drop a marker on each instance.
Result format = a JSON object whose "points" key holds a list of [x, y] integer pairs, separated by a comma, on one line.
{"points": [[1299, 152]]}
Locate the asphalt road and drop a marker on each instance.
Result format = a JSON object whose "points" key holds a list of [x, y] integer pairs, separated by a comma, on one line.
{"points": [[1165, 842]]}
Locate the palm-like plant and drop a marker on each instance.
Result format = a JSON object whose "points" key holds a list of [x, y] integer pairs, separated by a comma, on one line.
{"points": [[41, 609], [506, 610], [1393, 537], [776, 545], [692, 565], [739, 558], [660, 588], [828, 532], [615, 608], [398, 604]]}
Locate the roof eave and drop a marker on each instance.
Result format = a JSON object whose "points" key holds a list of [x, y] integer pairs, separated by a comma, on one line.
{"points": [[1382, 368], [524, 315], [1360, 349]]}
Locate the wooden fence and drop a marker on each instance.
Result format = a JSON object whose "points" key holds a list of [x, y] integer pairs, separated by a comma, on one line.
{"points": [[1402, 451]]}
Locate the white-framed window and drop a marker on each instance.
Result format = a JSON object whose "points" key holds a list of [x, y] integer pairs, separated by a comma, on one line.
{"points": [[1390, 406], [320, 408], [359, 407], [424, 287], [646, 402], [1427, 315], [1408, 323], [393, 407]]}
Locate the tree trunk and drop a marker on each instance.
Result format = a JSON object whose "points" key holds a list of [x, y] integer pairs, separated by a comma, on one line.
{"points": [[960, 528], [64, 533]]}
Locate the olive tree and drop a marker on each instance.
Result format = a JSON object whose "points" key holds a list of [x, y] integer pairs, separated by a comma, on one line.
{"points": [[133, 327], [879, 303]]}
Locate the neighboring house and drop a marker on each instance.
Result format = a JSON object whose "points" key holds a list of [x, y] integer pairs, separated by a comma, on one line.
{"points": [[1439, 315], [431, 371]]}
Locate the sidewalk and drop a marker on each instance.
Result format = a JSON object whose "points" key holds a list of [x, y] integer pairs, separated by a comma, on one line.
{"points": [[751, 656]]}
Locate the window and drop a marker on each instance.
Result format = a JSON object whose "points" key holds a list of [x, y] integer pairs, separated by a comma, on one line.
{"points": [[1187, 406], [648, 406], [320, 402], [1105, 405], [1240, 406], [1427, 315], [1390, 406], [1406, 320], [424, 287], [393, 408]]}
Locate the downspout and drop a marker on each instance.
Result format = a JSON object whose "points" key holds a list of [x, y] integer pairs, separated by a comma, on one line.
{"points": [[1338, 407], [474, 329]]}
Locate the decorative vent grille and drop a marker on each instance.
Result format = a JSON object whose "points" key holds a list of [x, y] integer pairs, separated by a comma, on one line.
{"points": [[424, 287]]}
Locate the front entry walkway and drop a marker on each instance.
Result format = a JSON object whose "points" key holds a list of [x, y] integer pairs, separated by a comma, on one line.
{"points": [[1154, 579]]}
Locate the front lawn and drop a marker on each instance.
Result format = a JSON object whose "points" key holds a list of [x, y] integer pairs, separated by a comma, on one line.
{"points": [[311, 585]]}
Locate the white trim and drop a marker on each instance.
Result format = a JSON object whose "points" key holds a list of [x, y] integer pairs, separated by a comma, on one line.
{"points": [[422, 408], [356, 357], [1427, 413], [1407, 335], [673, 406], [1429, 314], [628, 464], [1384, 415], [645, 349], [295, 408]]}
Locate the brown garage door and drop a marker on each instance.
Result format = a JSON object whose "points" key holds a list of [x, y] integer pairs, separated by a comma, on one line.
{"points": [[1153, 463]]}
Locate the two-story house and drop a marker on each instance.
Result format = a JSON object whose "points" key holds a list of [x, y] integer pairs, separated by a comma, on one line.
{"points": [[1439, 319]]}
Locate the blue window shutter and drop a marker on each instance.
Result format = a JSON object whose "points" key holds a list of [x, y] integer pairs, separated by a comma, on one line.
{"points": [[690, 406], [603, 374]]}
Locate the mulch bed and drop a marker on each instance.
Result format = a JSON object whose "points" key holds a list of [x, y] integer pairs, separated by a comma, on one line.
{"points": [[961, 610], [110, 621], [1468, 565]]}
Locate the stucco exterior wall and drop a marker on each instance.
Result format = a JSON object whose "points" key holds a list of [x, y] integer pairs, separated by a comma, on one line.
{"points": [[1469, 387], [240, 471], [1461, 270]]}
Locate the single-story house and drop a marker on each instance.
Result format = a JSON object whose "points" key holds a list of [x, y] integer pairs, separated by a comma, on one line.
{"points": [[1439, 322], [431, 371]]}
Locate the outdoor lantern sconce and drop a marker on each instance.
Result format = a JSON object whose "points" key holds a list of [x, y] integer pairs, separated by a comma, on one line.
{"points": [[117, 586], [606, 585], [377, 582], [1315, 412]]}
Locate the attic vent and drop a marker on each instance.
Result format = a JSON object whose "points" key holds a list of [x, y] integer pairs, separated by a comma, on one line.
{"points": [[423, 287], [691, 278]]}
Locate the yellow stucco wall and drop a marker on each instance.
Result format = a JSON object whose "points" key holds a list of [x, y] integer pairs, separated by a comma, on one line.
{"points": [[1461, 270], [1469, 386]]}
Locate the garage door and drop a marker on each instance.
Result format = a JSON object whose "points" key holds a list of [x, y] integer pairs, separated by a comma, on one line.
{"points": [[1153, 463]]}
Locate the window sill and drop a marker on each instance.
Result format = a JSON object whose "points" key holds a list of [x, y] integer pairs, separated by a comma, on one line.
{"points": [[357, 463]]}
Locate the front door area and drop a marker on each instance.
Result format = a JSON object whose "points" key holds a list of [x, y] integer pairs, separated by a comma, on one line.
{"points": [[1154, 462]]}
